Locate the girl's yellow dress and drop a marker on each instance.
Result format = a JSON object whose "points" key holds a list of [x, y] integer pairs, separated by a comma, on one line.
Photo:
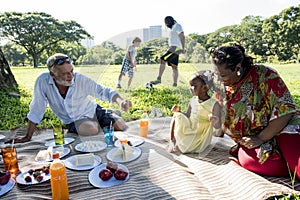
{"points": [[194, 134]]}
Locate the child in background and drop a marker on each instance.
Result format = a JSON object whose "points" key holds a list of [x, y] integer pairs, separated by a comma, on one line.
{"points": [[192, 131], [129, 62]]}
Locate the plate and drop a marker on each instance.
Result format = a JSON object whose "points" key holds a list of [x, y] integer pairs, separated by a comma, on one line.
{"points": [[49, 159], [7, 187], [21, 178], [96, 181], [135, 141], [52, 143], [110, 155], [2, 136], [70, 163], [91, 146]]}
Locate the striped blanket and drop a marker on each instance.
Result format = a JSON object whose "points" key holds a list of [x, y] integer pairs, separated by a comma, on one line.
{"points": [[156, 174]]}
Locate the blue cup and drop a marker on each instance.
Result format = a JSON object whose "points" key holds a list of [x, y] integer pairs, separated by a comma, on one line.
{"points": [[109, 135]]}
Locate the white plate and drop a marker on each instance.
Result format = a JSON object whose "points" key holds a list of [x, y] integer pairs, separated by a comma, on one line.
{"points": [[52, 143], [21, 178], [49, 159], [70, 163], [110, 155], [96, 181], [91, 146], [7, 187], [2, 136], [135, 141]]}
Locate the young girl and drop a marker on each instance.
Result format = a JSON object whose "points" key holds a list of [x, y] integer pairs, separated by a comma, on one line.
{"points": [[129, 62], [192, 131]]}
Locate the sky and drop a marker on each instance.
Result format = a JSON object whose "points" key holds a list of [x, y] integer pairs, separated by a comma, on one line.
{"points": [[105, 19]]}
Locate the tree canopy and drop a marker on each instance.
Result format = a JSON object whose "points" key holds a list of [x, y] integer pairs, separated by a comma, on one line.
{"points": [[38, 32]]}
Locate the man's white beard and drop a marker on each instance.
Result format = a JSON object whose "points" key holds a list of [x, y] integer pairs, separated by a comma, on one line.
{"points": [[65, 83]]}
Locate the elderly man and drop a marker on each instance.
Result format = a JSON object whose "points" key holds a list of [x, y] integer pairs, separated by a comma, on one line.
{"points": [[68, 95]]}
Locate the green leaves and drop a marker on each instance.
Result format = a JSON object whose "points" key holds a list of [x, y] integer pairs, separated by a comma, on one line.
{"points": [[38, 32]]}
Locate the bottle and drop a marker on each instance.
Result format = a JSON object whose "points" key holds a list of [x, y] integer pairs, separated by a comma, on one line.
{"points": [[144, 122], [59, 182]]}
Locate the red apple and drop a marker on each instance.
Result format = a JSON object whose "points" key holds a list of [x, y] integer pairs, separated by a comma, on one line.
{"points": [[121, 174], [4, 177], [105, 174]]}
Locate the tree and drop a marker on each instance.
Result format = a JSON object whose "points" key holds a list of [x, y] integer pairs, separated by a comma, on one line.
{"points": [[37, 32], [7, 79]]}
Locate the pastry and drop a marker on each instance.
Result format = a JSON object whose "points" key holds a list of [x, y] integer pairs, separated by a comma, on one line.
{"points": [[84, 159]]}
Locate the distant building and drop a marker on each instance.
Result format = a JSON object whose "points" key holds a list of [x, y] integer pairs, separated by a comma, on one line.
{"points": [[88, 43], [152, 32], [124, 39]]}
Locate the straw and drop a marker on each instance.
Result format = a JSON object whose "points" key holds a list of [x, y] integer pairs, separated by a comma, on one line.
{"points": [[51, 124]]}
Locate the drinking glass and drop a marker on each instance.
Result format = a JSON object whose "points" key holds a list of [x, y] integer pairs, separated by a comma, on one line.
{"points": [[109, 135], [58, 134], [10, 160]]}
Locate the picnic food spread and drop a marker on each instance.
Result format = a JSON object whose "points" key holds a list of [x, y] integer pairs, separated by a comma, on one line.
{"points": [[111, 174]]}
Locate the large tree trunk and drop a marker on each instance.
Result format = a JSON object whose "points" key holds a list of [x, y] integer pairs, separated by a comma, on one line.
{"points": [[7, 79]]}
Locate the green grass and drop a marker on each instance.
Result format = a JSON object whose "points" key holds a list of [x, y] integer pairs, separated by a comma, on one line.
{"points": [[14, 110]]}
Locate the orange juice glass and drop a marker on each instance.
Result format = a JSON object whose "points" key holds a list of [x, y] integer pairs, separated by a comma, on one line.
{"points": [[9, 156]]}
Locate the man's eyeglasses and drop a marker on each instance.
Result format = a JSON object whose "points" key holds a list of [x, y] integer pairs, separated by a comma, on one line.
{"points": [[215, 53], [61, 61]]}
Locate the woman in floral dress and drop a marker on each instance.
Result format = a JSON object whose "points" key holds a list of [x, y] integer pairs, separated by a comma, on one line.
{"points": [[260, 114]]}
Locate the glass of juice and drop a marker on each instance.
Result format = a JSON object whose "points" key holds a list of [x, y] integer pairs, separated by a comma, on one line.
{"points": [[10, 160]]}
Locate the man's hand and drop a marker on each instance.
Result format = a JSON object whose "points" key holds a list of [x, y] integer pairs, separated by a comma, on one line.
{"points": [[18, 140], [125, 105]]}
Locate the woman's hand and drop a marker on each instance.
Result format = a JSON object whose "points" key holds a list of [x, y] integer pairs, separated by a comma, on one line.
{"points": [[251, 142]]}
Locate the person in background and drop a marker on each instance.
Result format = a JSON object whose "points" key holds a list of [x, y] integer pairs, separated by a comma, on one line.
{"points": [[67, 93], [129, 62], [176, 46], [261, 115], [192, 131]]}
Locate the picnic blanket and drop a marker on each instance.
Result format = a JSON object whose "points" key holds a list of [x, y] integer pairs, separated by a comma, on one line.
{"points": [[157, 174]]}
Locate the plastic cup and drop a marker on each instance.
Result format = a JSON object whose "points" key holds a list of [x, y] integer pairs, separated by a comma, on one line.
{"points": [[59, 135], [109, 135], [10, 160]]}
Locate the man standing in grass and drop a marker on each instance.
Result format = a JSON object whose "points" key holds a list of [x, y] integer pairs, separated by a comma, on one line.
{"points": [[67, 93], [176, 46]]}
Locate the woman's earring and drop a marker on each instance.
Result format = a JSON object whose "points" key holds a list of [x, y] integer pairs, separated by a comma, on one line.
{"points": [[238, 73]]}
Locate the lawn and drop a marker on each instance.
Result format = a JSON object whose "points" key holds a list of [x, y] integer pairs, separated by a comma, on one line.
{"points": [[163, 97]]}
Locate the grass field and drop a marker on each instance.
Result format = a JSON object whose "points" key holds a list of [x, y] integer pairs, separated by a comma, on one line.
{"points": [[108, 75], [163, 97]]}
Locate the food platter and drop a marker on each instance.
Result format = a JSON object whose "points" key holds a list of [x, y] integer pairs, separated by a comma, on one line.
{"points": [[91, 146], [70, 163], [119, 159], [21, 178], [134, 141], [7, 187], [52, 143], [96, 181]]}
